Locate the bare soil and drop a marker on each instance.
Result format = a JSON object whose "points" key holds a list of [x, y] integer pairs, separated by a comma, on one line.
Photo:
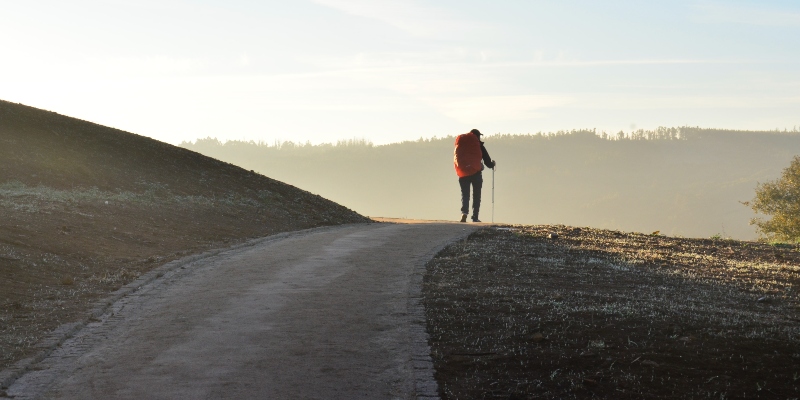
{"points": [[515, 314], [85, 209]]}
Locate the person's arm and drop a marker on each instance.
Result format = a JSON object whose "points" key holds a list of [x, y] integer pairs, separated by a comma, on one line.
{"points": [[486, 159]]}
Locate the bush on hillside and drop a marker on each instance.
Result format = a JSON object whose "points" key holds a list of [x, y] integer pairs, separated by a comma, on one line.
{"points": [[781, 200]]}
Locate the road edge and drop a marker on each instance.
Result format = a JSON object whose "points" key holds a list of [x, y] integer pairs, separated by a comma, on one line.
{"points": [[425, 385]]}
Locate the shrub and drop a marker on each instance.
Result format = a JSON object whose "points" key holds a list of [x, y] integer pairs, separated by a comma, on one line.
{"points": [[781, 200]]}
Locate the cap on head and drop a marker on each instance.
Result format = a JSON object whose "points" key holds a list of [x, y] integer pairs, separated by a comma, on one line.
{"points": [[475, 132]]}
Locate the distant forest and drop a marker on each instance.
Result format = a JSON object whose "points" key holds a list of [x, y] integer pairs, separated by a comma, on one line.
{"points": [[679, 181]]}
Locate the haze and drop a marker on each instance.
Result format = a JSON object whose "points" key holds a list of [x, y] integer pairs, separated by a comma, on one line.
{"points": [[678, 181], [388, 71]]}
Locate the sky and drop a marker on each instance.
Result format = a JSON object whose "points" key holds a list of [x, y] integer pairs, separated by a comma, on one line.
{"points": [[390, 70]]}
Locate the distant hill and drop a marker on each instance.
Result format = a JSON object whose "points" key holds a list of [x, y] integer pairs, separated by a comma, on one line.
{"points": [[680, 181], [85, 209]]}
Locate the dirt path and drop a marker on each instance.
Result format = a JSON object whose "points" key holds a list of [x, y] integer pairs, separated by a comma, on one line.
{"points": [[328, 313]]}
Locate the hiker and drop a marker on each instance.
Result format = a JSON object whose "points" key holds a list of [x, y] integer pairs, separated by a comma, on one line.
{"points": [[469, 157]]}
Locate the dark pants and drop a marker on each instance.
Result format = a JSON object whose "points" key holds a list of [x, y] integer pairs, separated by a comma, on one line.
{"points": [[477, 182]]}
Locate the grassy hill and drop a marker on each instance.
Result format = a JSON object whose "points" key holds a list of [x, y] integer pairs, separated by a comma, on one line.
{"points": [[85, 209]]}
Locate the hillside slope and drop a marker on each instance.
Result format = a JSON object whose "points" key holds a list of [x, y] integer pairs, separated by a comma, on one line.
{"points": [[85, 209]]}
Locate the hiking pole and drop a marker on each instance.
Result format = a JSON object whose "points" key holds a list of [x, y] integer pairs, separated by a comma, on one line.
{"points": [[493, 169]]}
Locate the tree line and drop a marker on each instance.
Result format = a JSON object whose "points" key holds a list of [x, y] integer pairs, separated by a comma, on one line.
{"points": [[682, 181]]}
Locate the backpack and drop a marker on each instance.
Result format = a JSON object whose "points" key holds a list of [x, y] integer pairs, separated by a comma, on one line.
{"points": [[467, 155]]}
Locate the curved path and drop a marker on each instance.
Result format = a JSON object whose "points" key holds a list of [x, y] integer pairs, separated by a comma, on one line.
{"points": [[329, 313]]}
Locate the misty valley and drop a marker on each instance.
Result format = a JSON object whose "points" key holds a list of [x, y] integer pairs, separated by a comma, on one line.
{"points": [[679, 181]]}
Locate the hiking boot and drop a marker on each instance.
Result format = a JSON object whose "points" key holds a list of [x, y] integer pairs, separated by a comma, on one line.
{"points": [[463, 217]]}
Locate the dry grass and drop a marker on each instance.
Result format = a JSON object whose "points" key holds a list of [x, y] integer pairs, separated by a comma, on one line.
{"points": [[18, 197], [62, 250], [593, 313]]}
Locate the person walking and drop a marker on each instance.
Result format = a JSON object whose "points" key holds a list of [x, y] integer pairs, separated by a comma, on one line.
{"points": [[469, 158]]}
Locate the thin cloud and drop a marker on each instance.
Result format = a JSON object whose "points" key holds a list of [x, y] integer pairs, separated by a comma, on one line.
{"points": [[631, 101], [360, 68], [740, 14], [484, 109], [598, 63], [408, 16], [141, 66]]}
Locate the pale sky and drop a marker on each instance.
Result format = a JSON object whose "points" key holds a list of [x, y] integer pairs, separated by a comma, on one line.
{"points": [[388, 71]]}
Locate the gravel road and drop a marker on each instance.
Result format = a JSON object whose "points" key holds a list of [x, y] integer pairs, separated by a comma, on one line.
{"points": [[330, 313]]}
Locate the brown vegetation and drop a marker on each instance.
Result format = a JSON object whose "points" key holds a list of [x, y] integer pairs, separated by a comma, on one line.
{"points": [[85, 209], [555, 312]]}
